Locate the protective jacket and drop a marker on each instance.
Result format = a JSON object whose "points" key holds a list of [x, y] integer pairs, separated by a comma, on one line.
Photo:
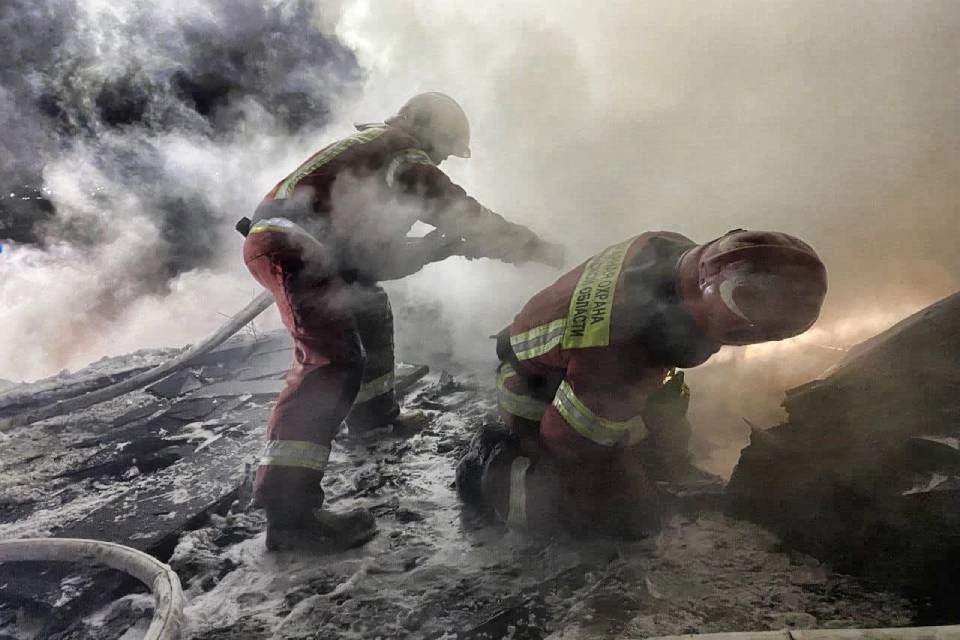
{"points": [[584, 367], [364, 192]]}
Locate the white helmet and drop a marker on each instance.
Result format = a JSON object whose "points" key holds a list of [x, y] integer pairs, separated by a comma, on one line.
{"points": [[438, 121]]}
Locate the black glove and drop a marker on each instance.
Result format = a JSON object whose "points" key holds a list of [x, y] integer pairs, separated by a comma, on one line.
{"points": [[437, 246], [400, 260]]}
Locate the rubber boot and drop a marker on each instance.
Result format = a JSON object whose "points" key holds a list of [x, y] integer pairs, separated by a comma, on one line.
{"points": [[321, 531], [471, 467]]}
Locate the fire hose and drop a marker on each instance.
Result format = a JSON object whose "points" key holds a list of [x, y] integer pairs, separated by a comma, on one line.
{"points": [[254, 308], [163, 582]]}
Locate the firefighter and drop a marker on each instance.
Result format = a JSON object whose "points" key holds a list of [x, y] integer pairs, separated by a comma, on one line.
{"points": [[589, 382], [320, 241]]}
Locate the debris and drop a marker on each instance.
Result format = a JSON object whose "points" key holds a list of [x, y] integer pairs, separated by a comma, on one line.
{"points": [[439, 571], [866, 471]]}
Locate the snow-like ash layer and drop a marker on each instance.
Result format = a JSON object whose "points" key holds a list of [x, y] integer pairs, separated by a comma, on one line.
{"points": [[433, 570]]}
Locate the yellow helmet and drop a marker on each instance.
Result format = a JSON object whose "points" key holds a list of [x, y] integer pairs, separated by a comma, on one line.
{"points": [[438, 121]]}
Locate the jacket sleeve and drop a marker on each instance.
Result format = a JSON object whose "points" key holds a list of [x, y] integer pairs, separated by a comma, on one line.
{"points": [[447, 206], [597, 408]]}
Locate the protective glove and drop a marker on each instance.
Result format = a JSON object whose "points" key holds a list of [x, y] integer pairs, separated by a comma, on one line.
{"points": [[414, 254], [438, 245], [509, 250]]}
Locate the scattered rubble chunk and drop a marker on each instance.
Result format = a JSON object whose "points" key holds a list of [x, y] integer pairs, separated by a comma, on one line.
{"points": [[866, 471]]}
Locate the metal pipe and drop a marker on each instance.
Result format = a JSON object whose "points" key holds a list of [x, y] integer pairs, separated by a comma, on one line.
{"points": [[160, 578]]}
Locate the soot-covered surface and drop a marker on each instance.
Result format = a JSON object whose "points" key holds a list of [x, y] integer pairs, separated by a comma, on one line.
{"points": [[866, 470], [164, 470]]}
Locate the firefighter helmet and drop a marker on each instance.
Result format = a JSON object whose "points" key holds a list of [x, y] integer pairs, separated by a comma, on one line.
{"points": [[438, 121], [753, 286]]}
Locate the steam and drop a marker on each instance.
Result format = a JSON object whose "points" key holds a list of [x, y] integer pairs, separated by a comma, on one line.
{"points": [[832, 121]]}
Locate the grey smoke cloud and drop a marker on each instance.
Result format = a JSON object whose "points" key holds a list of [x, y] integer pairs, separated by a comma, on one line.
{"points": [[133, 136], [833, 121]]}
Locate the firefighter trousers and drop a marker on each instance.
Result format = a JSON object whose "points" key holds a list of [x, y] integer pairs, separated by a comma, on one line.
{"points": [[343, 362]]}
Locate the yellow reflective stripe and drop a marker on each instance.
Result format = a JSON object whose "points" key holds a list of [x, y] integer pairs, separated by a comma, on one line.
{"points": [[539, 340], [517, 511], [591, 305], [274, 224], [375, 388], [590, 425], [295, 453], [324, 156], [403, 160], [514, 403]]}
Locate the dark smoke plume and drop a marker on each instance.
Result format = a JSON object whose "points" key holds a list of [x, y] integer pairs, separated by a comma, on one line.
{"points": [[107, 82]]}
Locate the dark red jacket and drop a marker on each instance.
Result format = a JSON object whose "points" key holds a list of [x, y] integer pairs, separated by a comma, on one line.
{"points": [[366, 191], [610, 329]]}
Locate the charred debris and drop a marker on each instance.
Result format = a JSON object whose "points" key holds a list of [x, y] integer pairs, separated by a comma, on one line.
{"points": [[856, 493]]}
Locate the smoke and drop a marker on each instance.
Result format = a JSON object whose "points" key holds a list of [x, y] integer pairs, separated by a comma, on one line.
{"points": [[832, 121], [134, 136]]}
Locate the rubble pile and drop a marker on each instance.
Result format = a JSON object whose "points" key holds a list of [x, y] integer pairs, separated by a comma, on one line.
{"points": [[166, 470], [865, 472]]}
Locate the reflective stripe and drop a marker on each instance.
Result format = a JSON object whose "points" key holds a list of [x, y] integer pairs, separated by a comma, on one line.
{"points": [[324, 156], [539, 340], [590, 425], [295, 453], [273, 224], [375, 388], [517, 513], [403, 160], [591, 304], [517, 404]]}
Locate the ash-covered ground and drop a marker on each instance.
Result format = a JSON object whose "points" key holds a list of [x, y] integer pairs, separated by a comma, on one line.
{"points": [[164, 470]]}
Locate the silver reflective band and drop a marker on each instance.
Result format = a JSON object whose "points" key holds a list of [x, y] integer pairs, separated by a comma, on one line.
{"points": [[376, 387], [591, 426], [517, 404], [539, 340], [403, 160], [517, 514], [273, 224], [295, 453], [324, 156]]}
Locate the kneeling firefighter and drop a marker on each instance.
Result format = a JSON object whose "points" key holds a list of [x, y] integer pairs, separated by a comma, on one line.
{"points": [[588, 381], [320, 241]]}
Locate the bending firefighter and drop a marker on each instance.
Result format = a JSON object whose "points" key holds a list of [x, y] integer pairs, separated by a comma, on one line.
{"points": [[320, 241], [588, 380]]}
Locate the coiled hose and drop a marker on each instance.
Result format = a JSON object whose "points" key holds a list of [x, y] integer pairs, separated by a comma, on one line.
{"points": [[160, 578]]}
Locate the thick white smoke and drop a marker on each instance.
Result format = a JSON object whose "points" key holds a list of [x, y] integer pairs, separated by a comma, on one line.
{"points": [[833, 121]]}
